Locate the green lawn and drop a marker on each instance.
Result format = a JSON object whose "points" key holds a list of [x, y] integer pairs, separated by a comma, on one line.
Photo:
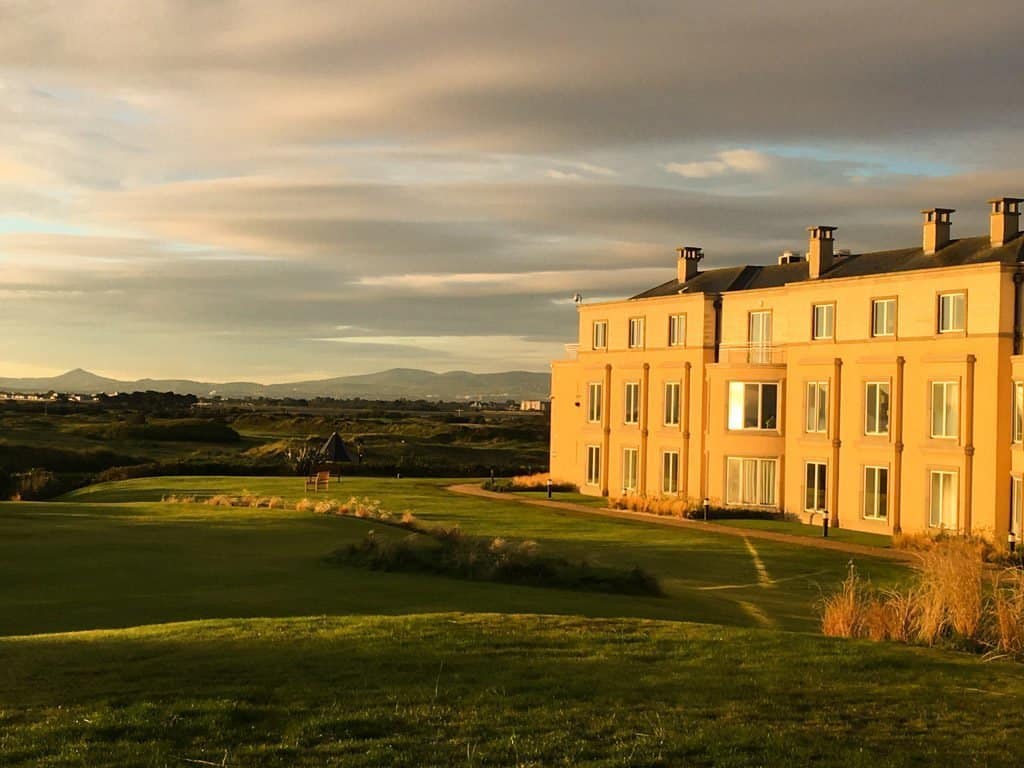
{"points": [[598, 502], [284, 660], [490, 690], [98, 559], [812, 531]]}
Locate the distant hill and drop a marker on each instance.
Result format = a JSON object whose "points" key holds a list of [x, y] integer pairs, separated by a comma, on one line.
{"points": [[386, 385]]}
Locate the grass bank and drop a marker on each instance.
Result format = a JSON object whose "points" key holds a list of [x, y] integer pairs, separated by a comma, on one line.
{"points": [[479, 690]]}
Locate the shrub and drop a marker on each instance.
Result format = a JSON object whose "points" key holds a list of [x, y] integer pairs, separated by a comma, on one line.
{"points": [[534, 482], [450, 552]]}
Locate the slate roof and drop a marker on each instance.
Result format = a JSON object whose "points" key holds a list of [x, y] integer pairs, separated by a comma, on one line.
{"points": [[963, 252]]}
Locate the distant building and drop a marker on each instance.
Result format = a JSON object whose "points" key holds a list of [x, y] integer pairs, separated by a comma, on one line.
{"points": [[886, 388], [533, 405]]}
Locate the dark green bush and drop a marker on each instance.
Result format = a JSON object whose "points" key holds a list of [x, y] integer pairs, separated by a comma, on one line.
{"points": [[449, 552]]}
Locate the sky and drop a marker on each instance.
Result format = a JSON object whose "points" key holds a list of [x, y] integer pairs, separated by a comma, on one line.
{"points": [[274, 191]]}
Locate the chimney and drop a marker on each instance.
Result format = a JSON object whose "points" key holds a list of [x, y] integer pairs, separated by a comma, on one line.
{"points": [[820, 252], [936, 229], [1004, 220], [689, 258]]}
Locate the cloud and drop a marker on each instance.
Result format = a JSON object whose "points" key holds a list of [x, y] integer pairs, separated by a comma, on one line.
{"points": [[727, 161], [456, 167]]}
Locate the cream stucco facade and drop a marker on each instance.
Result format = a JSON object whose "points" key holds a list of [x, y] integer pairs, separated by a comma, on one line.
{"points": [[880, 388]]}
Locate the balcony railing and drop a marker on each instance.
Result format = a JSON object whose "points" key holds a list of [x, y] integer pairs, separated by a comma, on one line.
{"points": [[752, 354]]}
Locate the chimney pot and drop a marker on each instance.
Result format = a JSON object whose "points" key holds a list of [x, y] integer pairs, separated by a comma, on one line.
{"points": [[1004, 220], [689, 257], [937, 223], [821, 250]]}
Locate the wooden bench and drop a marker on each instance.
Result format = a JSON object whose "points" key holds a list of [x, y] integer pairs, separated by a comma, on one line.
{"points": [[318, 482]]}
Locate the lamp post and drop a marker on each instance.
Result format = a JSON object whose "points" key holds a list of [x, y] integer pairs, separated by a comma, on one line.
{"points": [[824, 523], [1011, 542], [549, 487], [707, 508]]}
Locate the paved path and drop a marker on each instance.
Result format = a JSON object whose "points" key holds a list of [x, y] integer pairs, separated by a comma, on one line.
{"points": [[470, 489]]}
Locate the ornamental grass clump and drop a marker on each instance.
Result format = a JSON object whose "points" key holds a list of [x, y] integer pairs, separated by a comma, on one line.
{"points": [[954, 599], [663, 506]]}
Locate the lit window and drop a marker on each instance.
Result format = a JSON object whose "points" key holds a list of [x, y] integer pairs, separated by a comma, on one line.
{"points": [[636, 332], [630, 462], [817, 406], [824, 321], [594, 392], [593, 464], [876, 408], [1018, 411], [759, 336], [942, 506], [599, 339], [876, 492], [750, 481], [951, 312], [883, 317], [816, 480], [632, 415], [670, 472], [672, 404], [753, 405], [945, 408], [677, 331]]}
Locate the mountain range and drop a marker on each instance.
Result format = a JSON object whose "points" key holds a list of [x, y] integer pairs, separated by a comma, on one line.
{"points": [[392, 384]]}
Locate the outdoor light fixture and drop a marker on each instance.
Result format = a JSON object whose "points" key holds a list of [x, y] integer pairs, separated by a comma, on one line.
{"points": [[1011, 542], [707, 507], [824, 523]]}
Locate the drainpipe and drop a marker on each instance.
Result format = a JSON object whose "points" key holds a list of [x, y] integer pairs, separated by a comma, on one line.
{"points": [[717, 306], [969, 444], [1018, 278], [897, 464], [833, 502], [684, 468], [645, 388], [607, 419]]}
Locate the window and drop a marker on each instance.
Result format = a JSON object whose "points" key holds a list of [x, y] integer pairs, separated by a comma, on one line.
{"points": [[876, 408], [632, 402], [824, 321], [951, 312], [1016, 504], [670, 472], [594, 393], [636, 332], [599, 339], [593, 464], [672, 404], [759, 336], [677, 331], [942, 506], [1018, 411], [883, 317], [753, 405], [814, 488], [817, 406], [630, 462], [945, 408], [876, 493], [750, 481]]}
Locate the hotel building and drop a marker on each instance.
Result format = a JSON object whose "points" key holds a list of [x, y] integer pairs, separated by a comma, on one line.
{"points": [[883, 389]]}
